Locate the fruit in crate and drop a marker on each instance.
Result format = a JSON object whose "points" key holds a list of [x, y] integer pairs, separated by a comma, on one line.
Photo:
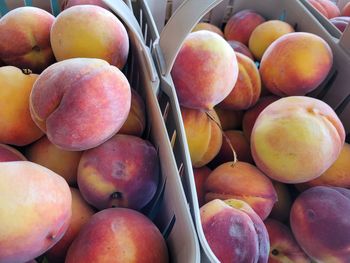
{"points": [[241, 48], [346, 10], [306, 62], [340, 22], [296, 139], [326, 8], [234, 232], [200, 176], [209, 27], [319, 221], [80, 103], [93, 32], [205, 70], [25, 38], [35, 210], [265, 33], [118, 235], [229, 119], [246, 91], [136, 121], [69, 3], [17, 126], [242, 181], [203, 134], [122, 172], [64, 163], [281, 208], [81, 213], [10, 154], [283, 246]]}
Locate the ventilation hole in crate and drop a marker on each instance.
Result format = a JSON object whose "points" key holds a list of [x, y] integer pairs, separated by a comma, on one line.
{"points": [[150, 45], [173, 139], [347, 138], [55, 7], [167, 230], [283, 15], [343, 105], [28, 2], [327, 84], [166, 111], [181, 170], [3, 8], [296, 27], [145, 33]]}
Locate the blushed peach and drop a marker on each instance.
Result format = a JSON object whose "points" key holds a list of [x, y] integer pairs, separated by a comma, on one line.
{"points": [[69, 3], [209, 27], [10, 154], [326, 8], [346, 10], [200, 176], [240, 48]]}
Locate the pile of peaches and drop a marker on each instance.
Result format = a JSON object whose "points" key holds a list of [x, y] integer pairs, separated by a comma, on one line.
{"points": [[76, 170], [271, 165]]}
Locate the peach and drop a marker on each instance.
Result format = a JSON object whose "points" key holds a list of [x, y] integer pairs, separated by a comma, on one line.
{"points": [[346, 10], [252, 114], [69, 3], [340, 22], [118, 235], [240, 48], [17, 126], [203, 134], [123, 172], [306, 62], [319, 221], [64, 163], [246, 91], [25, 38], [81, 214], [234, 180], [136, 121], [80, 103], [200, 176], [93, 32], [205, 70], [326, 8], [281, 209], [283, 247], [240, 145], [241, 25], [229, 119], [35, 210], [234, 232], [296, 139], [10, 154], [265, 33], [209, 27]]}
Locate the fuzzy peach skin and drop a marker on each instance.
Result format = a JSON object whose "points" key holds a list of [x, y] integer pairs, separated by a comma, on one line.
{"points": [[136, 122], [25, 38], [283, 246], [200, 176], [229, 119], [280, 210], [247, 89], [81, 214], [69, 3], [17, 126], [306, 62], [346, 10], [234, 231], [118, 235], [80, 103], [319, 221], [203, 135], [10, 154], [93, 32], [64, 163], [265, 33], [241, 25], [240, 48], [35, 210], [326, 8], [205, 70], [252, 114], [296, 139], [209, 27], [122, 172], [234, 180]]}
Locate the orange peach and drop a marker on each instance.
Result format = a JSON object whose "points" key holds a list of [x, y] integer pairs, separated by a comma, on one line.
{"points": [[205, 70], [296, 139], [17, 126], [306, 62], [281, 209], [64, 163], [25, 38], [200, 176], [80, 103], [81, 213], [252, 114], [240, 48], [122, 172], [203, 135], [209, 27], [118, 235], [10, 154], [136, 122], [93, 32], [241, 25], [319, 221], [234, 180], [326, 8], [346, 10], [265, 33], [35, 210], [246, 91], [69, 3], [229, 119]]}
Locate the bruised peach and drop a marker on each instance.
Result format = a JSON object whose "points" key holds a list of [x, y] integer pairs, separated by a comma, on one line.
{"points": [[209, 27], [229, 119], [240, 48], [200, 176], [10, 154]]}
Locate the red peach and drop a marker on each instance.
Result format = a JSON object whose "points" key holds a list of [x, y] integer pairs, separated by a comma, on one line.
{"points": [[240, 48], [10, 154], [346, 10]]}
